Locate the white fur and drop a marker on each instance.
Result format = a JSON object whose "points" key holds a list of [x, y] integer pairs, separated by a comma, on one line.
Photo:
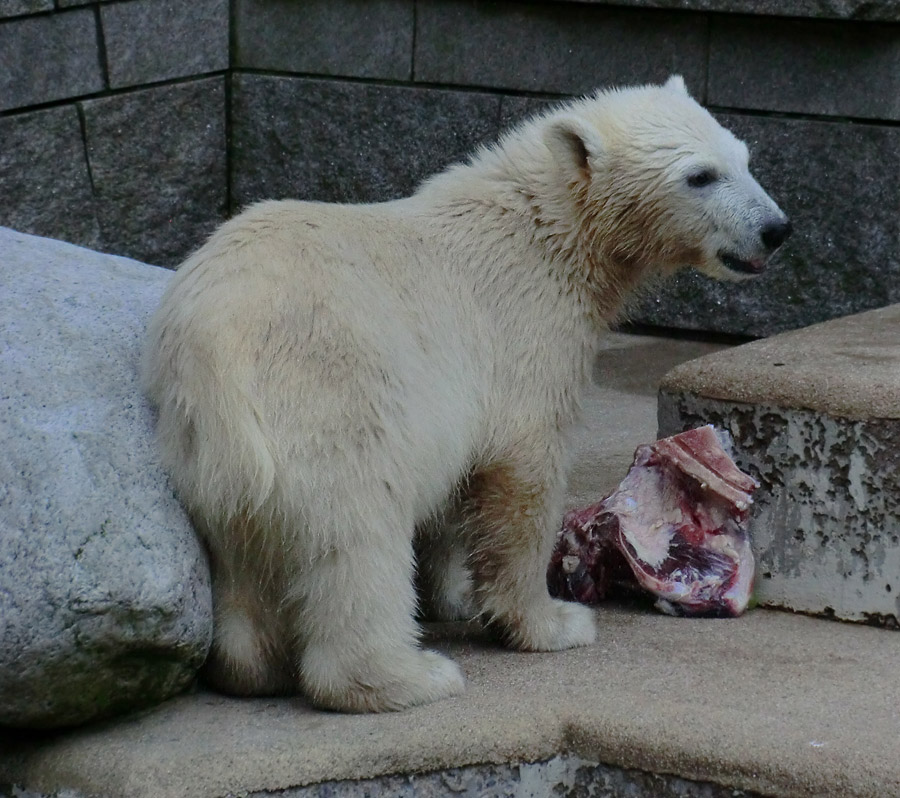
{"points": [[329, 378]]}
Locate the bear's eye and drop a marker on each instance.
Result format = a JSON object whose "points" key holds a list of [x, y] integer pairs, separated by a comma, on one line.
{"points": [[702, 178]]}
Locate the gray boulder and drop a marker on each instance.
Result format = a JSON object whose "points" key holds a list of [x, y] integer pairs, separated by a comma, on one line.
{"points": [[105, 603]]}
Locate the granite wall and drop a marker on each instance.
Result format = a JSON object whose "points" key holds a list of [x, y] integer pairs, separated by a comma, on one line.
{"points": [[113, 122], [135, 126]]}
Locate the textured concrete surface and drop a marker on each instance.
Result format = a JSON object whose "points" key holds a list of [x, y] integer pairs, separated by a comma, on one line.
{"points": [[562, 776], [815, 415], [620, 410], [825, 525], [157, 159], [770, 703], [554, 47], [847, 367], [104, 596], [148, 41], [344, 142], [13, 8], [45, 183], [774, 703], [887, 10], [73, 69], [327, 37], [805, 66]]}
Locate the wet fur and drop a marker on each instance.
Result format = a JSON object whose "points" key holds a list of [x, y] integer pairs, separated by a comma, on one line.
{"points": [[331, 378]]}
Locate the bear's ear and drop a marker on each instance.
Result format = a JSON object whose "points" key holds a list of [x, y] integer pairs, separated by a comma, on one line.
{"points": [[573, 144], [676, 83]]}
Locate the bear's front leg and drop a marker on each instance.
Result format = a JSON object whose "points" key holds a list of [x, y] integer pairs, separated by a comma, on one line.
{"points": [[513, 509], [354, 621]]}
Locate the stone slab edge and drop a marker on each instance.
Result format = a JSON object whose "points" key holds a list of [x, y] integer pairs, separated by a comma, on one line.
{"points": [[845, 368], [825, 525], [629, 702], [564, 775], [815, 415], [883, 11]]}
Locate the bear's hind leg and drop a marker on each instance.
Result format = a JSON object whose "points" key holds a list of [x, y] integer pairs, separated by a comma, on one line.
{"points": [[511, 522], [444, 578], [355, 606], [250, 653]]}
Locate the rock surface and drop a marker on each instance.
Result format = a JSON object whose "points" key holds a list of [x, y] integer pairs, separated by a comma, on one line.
{"points": [[104, 593]]}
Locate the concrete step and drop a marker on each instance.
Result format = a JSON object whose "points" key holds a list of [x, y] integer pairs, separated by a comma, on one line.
{"points": [[767, 704], [815, 415], [770, 703]]}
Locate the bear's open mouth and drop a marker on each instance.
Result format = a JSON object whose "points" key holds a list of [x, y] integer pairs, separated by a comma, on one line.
{"points": [[755, 266]]}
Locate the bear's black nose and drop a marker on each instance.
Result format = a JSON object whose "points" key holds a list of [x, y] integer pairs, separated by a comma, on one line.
{"points": [[775, 234]]}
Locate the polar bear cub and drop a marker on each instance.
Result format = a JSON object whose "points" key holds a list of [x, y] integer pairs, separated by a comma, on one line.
{"points": [[337, 382]]}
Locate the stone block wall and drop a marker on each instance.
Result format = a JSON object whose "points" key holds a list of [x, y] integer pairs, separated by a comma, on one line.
{"points": [[135, 126], [112, 122]]}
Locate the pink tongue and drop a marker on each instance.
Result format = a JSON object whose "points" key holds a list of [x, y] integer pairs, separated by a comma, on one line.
{"points": [[676, 527]]}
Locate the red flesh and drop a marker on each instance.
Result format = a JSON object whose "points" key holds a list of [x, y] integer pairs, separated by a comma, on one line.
{"points": [[676, 527]]}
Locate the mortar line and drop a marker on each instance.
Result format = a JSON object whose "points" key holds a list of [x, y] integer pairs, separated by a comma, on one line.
{"points": [[708, 46], [101, 47], [229, 113], [484, 90], [412, 55], [82, 124], [553, 96], [800, 116], [105, 93], [403, 84], [46, 12]]}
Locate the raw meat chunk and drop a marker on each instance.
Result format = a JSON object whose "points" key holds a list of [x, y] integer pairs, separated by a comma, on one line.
{"points": [[676, 527]]}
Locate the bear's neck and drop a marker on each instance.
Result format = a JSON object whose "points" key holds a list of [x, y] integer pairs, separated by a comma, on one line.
{"points": [[515, 190]]}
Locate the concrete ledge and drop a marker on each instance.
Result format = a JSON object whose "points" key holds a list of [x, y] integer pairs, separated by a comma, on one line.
{"points": [[772, 703], [815, 415], [848, 367], [882, 10], [566, 776]]}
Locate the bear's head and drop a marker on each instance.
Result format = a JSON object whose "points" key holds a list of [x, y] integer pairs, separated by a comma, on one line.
{"points": [[660, 185]]}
